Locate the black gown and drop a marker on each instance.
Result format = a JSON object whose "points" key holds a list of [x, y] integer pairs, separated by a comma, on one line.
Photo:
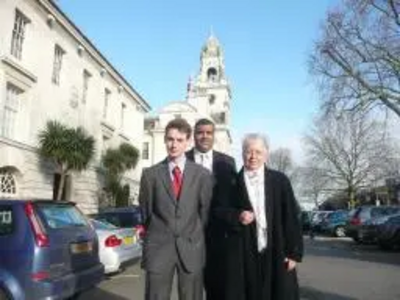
{"points": [[254, 276]]}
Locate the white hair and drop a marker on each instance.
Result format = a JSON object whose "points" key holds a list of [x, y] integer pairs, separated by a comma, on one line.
{"points": [[254, 136]]}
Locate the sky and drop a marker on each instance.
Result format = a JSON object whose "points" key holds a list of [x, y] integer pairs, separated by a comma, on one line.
{"points": [[156, 45]]}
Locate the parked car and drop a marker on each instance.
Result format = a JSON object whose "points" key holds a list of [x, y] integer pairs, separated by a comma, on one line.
{"points": [[388, 232], [48, 250], [334, 223], [123, 217], [306, 220], [361, 224], [117, 246], [317, 219]]}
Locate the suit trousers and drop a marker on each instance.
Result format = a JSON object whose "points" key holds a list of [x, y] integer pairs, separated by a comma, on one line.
{"points": [[159, 284], [215, 270]]}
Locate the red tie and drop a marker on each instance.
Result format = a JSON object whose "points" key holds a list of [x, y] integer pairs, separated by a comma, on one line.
{"points": [[177, 181]]}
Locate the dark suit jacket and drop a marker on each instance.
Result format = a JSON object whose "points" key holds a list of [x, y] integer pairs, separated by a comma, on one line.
{"points": [[174, 227], [224, 173], [284, 240]]}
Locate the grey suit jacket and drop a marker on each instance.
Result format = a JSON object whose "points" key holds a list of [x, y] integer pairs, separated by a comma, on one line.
{"points": [[174, 227]]}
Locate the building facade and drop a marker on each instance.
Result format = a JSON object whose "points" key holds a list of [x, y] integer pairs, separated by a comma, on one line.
{"points": [[49, 70], [208, 96]]}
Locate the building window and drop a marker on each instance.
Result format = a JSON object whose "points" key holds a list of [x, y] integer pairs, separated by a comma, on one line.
{"points": [[211, 99], [123, 112], [57, 64], [18, 34], [149, 124], [145, 150], [85, 87], [219, 118], [105, 144], [8, 183], [10, 111], [107, 95], [223, 118], [212, 75]]}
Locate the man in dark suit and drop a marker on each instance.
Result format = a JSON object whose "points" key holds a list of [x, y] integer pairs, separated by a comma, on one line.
{"points": [[175, 197], [268, 244], [223, 169]]}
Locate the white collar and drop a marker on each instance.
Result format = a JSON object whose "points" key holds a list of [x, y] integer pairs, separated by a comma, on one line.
{"points": [[207, 154], [180, 162], [252, 173]]}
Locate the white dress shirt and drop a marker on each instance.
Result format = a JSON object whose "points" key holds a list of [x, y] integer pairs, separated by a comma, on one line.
{"points": [[179, 162], [255, 187], [204, 159]]}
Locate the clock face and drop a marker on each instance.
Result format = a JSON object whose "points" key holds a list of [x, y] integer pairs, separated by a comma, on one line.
{"points": [[211, 62]]}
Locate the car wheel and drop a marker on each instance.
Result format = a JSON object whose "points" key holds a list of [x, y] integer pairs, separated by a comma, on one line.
{"points": [[340, 231], [3, 295]]}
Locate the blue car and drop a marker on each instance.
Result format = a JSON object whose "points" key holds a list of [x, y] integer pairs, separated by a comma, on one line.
{"points": [[48, 250], [388, 233], [334, 224]]}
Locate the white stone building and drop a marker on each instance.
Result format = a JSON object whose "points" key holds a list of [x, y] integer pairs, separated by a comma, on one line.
{"points": [[208, 96], [50, 70]]}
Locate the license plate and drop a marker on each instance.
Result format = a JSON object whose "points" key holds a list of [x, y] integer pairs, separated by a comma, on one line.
{"points": [[78, 248], [129, 240]]}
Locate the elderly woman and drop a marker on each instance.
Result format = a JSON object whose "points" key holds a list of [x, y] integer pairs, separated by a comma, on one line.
{"points": [[265, 241]]}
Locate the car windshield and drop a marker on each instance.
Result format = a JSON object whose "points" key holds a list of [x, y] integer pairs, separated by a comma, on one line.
{"points": [[333, 216], [353, 213], [384, 211], [61, 215], [339, 215], [102, 225], [320, 216], [394, 220], [122, 219]]}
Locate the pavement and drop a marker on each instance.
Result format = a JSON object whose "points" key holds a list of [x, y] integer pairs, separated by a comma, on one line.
{"points": [[333, 269]]}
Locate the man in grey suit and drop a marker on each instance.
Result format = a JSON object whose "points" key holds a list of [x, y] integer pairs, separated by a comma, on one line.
{"points": [[175, 196]]}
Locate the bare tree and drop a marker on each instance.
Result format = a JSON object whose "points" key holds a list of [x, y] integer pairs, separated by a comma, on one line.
{"points": [[353, 150], [281, 160], [356, 61], [314, 182]]}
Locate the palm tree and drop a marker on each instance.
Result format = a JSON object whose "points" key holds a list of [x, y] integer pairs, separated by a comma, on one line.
{"points": [[70, 149], [115, 163]]}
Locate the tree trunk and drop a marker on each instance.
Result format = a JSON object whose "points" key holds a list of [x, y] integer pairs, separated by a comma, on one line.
{"points": [[351, 197], [61, 186], [316, 201]]}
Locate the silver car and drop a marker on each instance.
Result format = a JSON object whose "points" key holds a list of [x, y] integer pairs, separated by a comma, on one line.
{"points": [[116, 245]]}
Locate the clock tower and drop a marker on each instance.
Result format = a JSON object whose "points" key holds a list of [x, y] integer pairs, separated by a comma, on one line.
{"points": [[210, 92]]}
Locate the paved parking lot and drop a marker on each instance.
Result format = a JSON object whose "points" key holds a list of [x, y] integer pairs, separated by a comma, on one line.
{"points": [[333, 269]]}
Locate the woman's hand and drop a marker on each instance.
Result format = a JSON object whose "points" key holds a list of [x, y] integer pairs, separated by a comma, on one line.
{"points": [[246, 217]]}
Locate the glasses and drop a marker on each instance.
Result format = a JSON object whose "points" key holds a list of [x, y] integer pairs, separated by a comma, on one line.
{"points": [[254, 153]]}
